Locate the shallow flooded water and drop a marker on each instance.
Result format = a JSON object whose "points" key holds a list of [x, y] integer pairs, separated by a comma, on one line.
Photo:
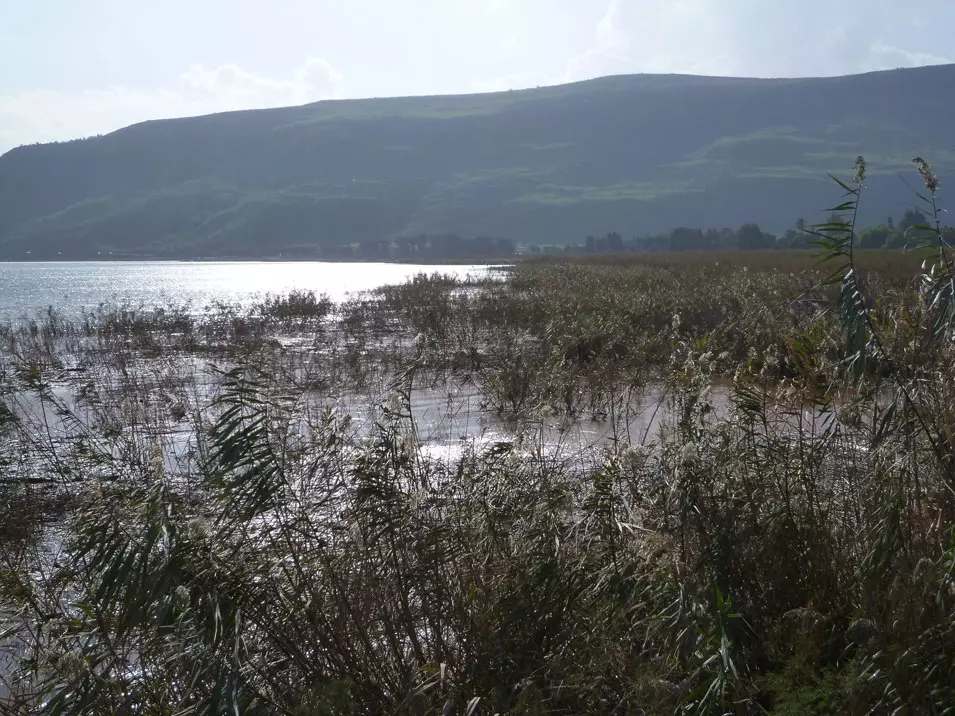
{"points": [[29, 287], [452, 419], [447, 420]]}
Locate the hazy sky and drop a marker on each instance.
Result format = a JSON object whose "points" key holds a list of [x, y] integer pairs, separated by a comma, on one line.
{"points": [[71, 68]]}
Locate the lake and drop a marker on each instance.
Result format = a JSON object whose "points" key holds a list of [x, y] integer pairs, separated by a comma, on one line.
{"points": [[30, 287]]}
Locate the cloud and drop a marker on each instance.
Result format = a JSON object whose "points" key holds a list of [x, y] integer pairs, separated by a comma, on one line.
{"points": [[765, 39], [654, 37], [232, 87], [886, 57], [42, 115], [497, 7]]}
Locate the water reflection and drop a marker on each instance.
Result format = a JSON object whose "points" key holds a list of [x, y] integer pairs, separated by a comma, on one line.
{"points": [[29, 287]]}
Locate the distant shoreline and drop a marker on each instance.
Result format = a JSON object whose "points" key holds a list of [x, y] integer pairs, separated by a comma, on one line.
{"points": [[456, 261]]}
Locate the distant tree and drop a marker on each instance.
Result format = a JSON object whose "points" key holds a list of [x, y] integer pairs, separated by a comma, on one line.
{"points": [[796, 238], [650, 243], [890, 222], [504, 247], [875, 238], [728, 240], [339, 252], [446, 245], [790, 240], [752, 238], [685, 239], [483, 246], [591, 245], [911, 218], [614, 243], [373, 249], [419, 243], [403, 247], [895, 240], [712, 239]]}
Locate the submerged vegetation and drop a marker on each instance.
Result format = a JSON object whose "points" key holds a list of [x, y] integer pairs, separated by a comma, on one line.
{"points": [[236, 511]]}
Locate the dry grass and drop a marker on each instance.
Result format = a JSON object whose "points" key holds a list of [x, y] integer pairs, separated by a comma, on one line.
{"points": [[235, 541]]}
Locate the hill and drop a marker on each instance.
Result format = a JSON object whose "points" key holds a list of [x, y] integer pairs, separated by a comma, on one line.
{"points": [[633, 154]]}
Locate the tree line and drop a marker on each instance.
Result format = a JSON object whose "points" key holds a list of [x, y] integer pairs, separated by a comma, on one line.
{"points": [[891, 234], [749, 237], [425, 246]]}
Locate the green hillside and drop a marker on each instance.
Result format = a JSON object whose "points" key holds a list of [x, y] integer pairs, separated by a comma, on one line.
{"points": [[633, 154]]}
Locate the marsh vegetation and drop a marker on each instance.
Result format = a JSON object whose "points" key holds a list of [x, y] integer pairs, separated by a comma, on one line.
{"points": [[235, 511]]}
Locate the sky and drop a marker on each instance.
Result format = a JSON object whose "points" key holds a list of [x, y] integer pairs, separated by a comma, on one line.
{"points": [[73, 69]]}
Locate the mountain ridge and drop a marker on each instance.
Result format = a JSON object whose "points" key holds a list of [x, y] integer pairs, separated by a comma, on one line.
{"points": [[628, 153]]}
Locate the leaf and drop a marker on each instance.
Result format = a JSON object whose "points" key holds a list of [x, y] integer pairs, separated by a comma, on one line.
{"points": [[886, 423], [849, 189]]}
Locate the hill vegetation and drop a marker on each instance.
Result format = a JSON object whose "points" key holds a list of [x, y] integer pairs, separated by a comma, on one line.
{"points": [[632, 154]]}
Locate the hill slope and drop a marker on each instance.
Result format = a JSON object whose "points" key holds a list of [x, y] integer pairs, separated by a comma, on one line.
{"points": [[633, 154]]}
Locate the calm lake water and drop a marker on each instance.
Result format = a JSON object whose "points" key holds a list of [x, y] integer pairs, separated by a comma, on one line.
{"points": [[29, 287]]}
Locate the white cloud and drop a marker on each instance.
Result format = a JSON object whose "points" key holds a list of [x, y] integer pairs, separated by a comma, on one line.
{"points": [[496, 7], [886, 57], [655, 37], [42, 115], [740, 37], [232, 87]]}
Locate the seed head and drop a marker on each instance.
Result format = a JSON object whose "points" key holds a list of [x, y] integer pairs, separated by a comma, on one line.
{"points": [[395, 403], [182, 597], [688, 454], [858, 176], [197, 528], [72, 665], [928, 176], [634, 456]]}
